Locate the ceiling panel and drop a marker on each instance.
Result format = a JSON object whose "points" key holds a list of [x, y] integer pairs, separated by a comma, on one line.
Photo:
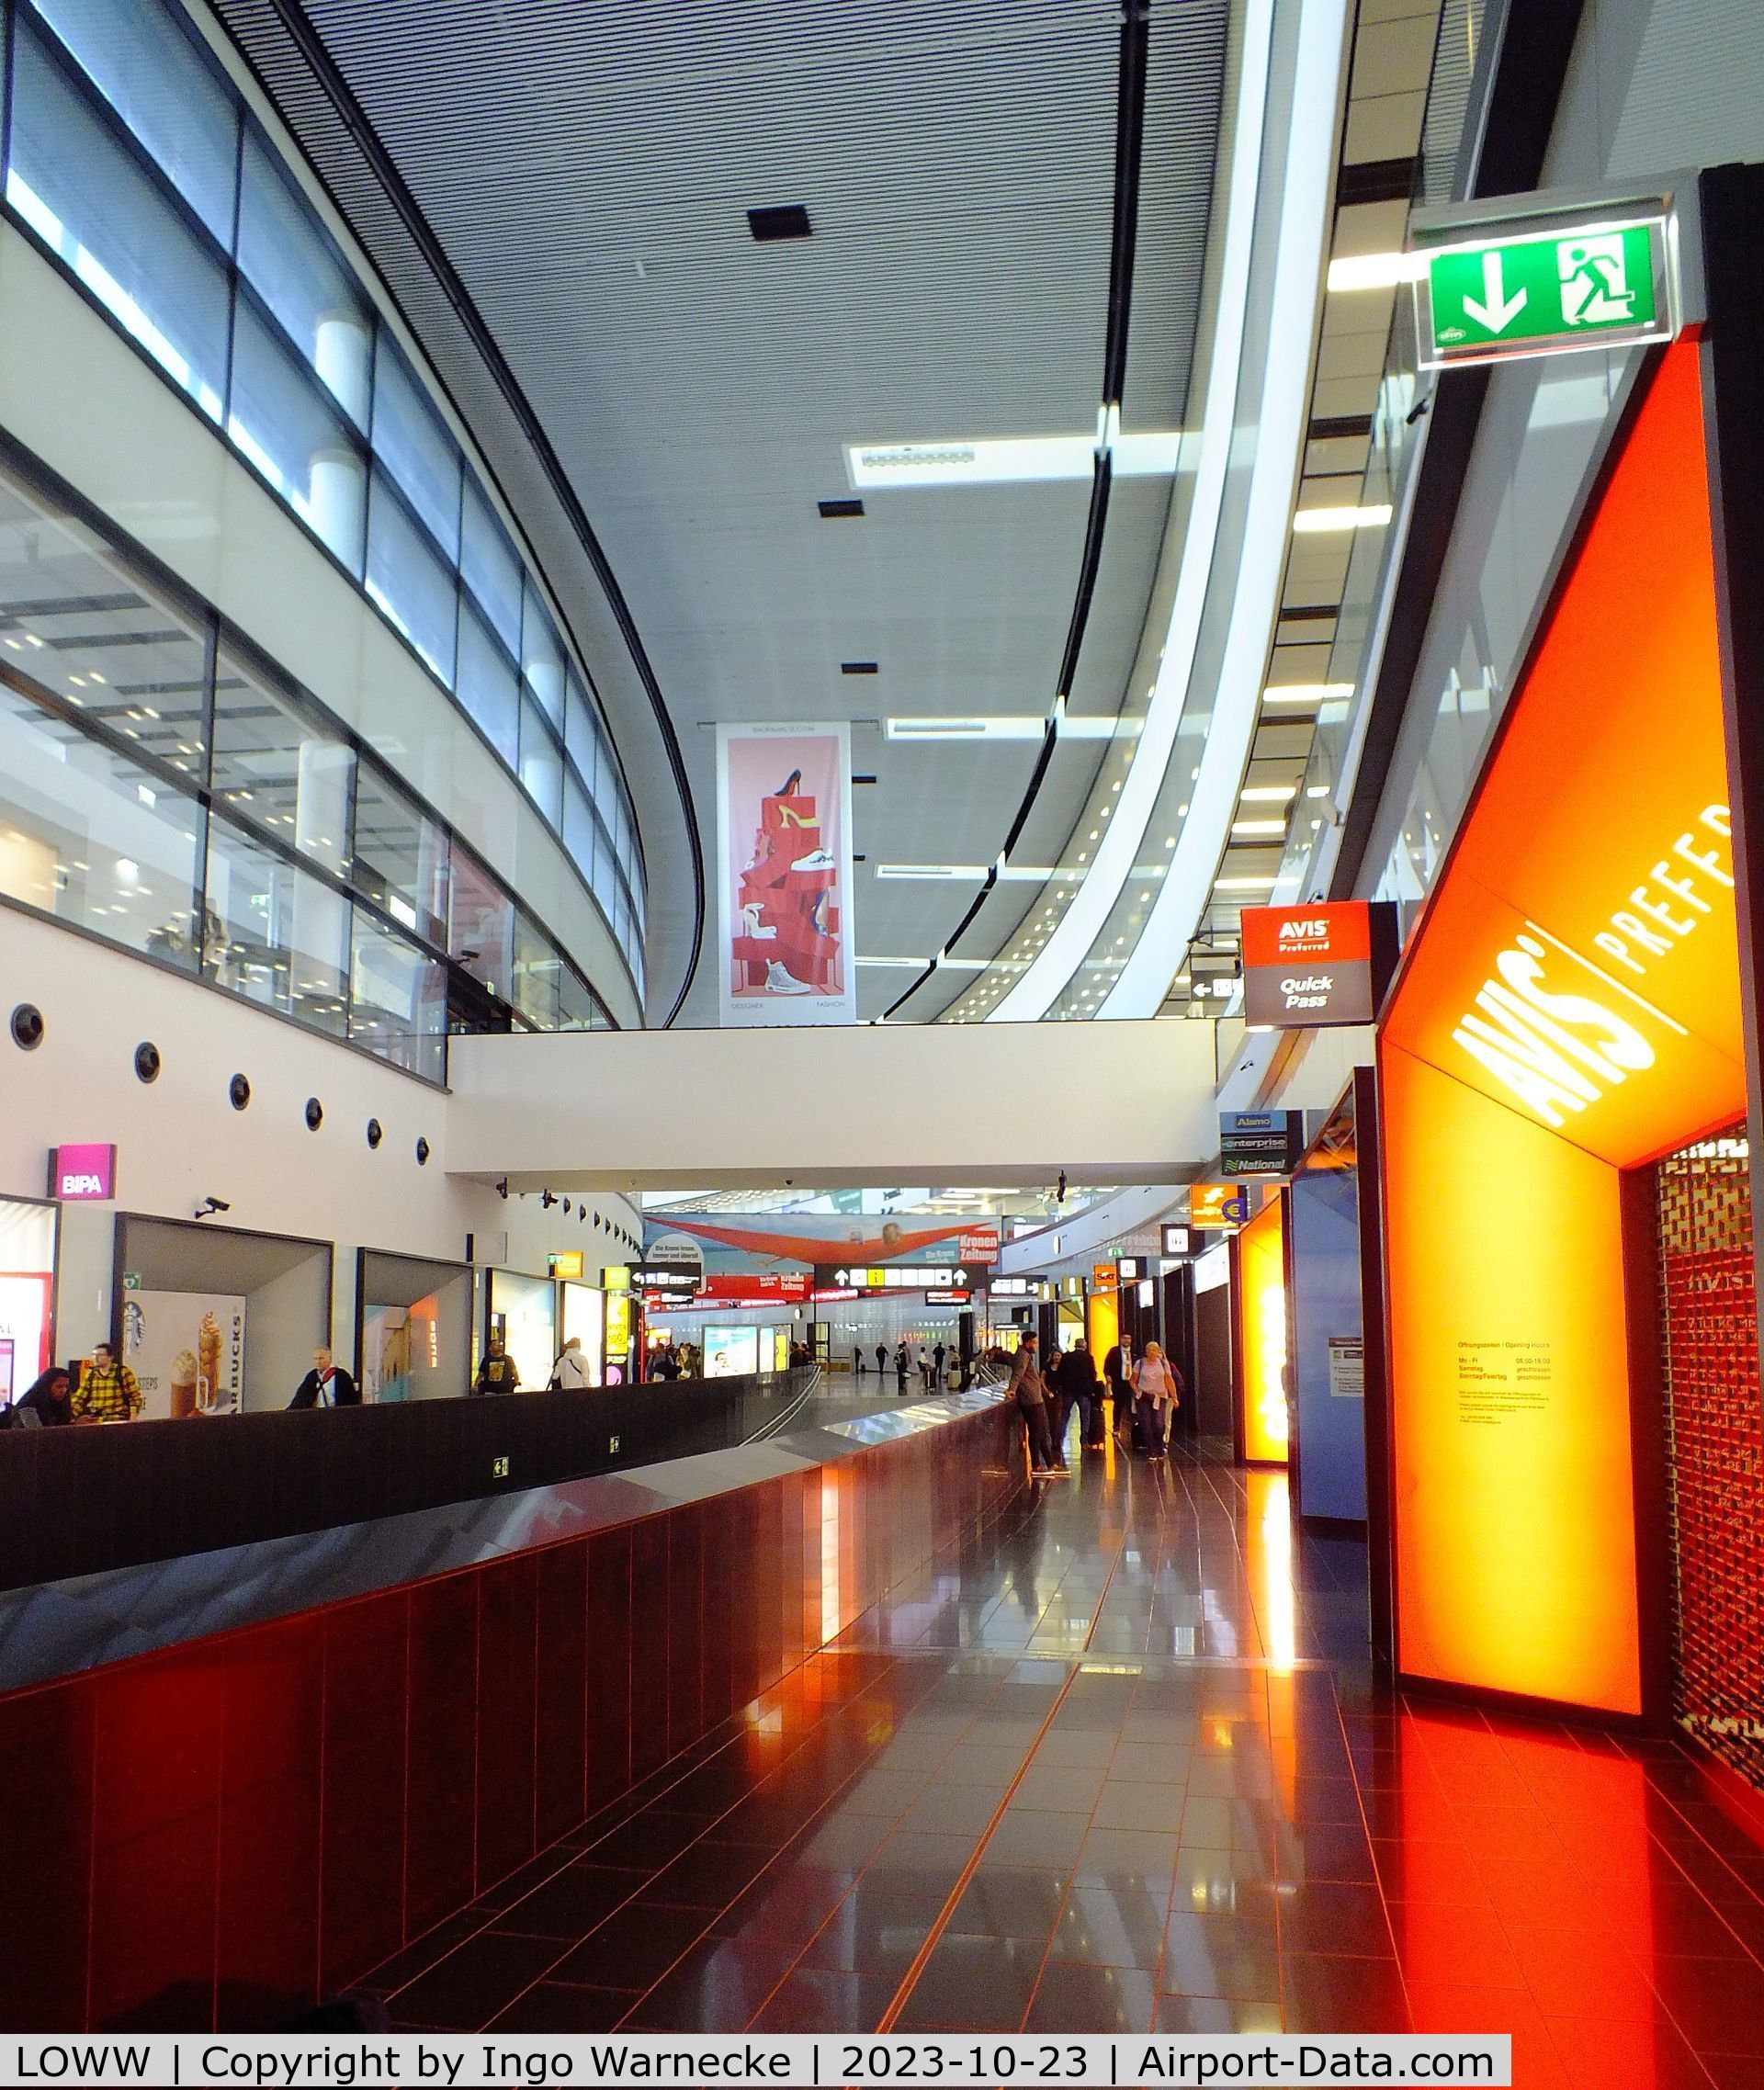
{"points": [[587, 168]]}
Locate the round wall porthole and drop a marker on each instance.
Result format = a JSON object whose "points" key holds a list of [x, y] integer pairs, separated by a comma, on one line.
{"points": [[146, 1061], [27, 1026], [376, 1132], [422, 1153], [314, 1114], [238, 1091]]}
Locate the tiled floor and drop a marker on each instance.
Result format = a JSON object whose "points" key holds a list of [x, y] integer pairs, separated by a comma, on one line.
{"points": [[1126, 1770]]}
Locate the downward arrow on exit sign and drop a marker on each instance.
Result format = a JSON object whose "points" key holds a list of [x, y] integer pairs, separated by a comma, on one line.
{"points": [[1583, 285], [1494, 312]]}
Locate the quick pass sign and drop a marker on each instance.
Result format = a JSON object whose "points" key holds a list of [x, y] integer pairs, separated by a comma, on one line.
{"points": [[1316, 965]]}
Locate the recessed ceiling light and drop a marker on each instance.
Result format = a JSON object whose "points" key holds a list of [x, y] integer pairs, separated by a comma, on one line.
{"points": [[1306, 694], [1268, 794], [831, 511], [1376, 271], [1258, 827], [993, 461], [1312, 522], [780, 222]]}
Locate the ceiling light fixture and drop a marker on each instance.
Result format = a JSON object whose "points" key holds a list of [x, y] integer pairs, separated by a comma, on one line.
{"points": [[780, 222], [1314, 522], [1306, 694], [993, 461], [1376, 271]]}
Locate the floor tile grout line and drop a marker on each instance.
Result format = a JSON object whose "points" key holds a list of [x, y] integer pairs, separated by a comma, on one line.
{"points": [[494, 1916], [890, 2016]]}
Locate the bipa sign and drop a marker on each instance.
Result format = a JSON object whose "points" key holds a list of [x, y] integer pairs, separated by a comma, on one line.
{"points": [[82, 1174]]}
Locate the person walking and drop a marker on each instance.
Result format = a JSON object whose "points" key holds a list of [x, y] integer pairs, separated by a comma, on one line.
{"points": [[1117, 1367], [938, 1353], [496, 1373], [1156, 1398], [901, 1360], [1029, 1390], [109, 1391], [1056, 1410], [881, 1359], [857, 1356], [925, 1370], [1078, 1390], [570, 1373]]}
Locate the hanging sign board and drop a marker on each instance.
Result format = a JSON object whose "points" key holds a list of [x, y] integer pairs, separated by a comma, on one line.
{"points": [[1217, 1206], [1494, 290], [1260, 1142], [1312, 967], [82, 1174]]}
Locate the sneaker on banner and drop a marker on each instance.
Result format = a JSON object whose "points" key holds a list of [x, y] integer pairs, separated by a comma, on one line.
{"points": [[817, 860], [779, 981]]}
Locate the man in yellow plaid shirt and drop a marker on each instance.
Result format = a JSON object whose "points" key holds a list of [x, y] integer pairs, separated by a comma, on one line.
{"points": [[109, 1392]]}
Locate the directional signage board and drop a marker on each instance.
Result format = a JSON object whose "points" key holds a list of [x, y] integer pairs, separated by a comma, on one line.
{"points": [[1486, 298], [1260, 1142]]}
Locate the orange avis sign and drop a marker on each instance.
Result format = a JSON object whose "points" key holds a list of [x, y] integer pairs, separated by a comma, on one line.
{"points": [[1570, 1009]]}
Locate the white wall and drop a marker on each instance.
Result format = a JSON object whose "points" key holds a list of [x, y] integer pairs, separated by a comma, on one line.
{"points": [[946, 1103], [180, 1140], [80, 398]]}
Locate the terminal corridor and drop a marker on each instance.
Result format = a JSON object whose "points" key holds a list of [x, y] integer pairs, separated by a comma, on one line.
{"points": [[1127, 1769]]}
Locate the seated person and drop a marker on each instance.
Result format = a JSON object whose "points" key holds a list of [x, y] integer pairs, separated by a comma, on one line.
{"points": [[327, 1385], [48, 1399]]}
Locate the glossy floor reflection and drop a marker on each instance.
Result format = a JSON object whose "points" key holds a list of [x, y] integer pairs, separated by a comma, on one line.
{"points": [[1126, 1770]]}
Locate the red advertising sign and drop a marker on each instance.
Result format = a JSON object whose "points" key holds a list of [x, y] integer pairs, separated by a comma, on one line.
{"points": [[756, 1288], [1308, 967]]}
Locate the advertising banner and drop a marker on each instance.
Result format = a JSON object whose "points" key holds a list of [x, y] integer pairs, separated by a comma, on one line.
{"points": [[732, 1353], [188, 1350], [82, 1174], [736, 1244], [24, 1329], [784, 882], [1313, 967]]}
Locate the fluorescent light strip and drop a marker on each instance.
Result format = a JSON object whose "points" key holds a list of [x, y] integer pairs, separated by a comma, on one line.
{"points": [[1269, 794], [1243, 885], [1317, 522], [1258, 827], [1006, 874], [1012, 726], [1307, 693], [1057, 961], [1012, 460], [1279, 418], [1376, 271]]}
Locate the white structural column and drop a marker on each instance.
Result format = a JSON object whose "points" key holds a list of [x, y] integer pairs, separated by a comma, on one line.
{"points": [[1121, 844], [1304, 196]]}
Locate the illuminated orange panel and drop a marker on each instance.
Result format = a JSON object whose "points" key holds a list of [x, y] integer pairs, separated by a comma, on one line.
{"points": [[1571, 1007], [1580, 961], [1515, 1537], [1261, 1322], [1104, 1323]]}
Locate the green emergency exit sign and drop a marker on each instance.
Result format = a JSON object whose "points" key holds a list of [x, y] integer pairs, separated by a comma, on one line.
{"points": [[1585, 286]]}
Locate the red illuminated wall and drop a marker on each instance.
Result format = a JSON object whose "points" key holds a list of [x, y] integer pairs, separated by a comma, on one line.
{"points": [[220, 1834]]}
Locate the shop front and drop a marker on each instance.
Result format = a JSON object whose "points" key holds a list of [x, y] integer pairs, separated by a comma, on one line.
{"points": [[215, 1321], [26, 1293], [414, 1327], [1572, 1344]]}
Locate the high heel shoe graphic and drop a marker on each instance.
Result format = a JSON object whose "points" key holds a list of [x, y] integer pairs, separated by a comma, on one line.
{"points": [[790, 783], [789, 817], [750, 922]]}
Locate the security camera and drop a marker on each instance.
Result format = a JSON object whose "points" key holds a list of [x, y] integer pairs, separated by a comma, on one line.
{"points": [[210, 1204], [502, 1188], [1059, 1189], [546, 1201]]}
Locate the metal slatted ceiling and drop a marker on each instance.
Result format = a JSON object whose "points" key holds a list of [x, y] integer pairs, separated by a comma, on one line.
{"points": [[587, 168]]}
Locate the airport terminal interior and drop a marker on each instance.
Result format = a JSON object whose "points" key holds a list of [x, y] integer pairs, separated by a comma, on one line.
{"points": [[883, 869]]}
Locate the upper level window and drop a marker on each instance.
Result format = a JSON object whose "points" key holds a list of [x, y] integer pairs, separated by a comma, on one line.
{"points": [[490, 569], [292, 266], [279, 768], [409, 583], [165, 91], [411, 442], [84, 194], [289, 428]]}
